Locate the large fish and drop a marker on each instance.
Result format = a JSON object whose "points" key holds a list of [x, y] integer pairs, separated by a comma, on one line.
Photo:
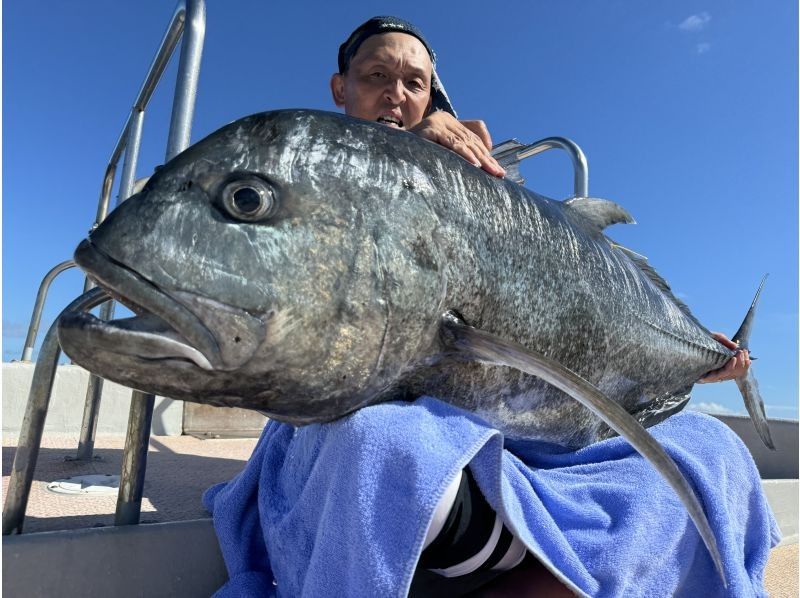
{"points": [[306, 264]]}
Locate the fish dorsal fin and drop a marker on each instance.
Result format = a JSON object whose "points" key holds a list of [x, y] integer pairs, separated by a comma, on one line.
{"points": [[598, 213], [643, 265]]}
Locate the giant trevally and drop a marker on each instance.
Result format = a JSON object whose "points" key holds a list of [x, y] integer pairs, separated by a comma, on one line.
{"points": [[306, 264]]}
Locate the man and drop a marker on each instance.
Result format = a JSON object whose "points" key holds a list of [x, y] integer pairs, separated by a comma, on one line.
{"points": [[386, 75], [343, 508]]}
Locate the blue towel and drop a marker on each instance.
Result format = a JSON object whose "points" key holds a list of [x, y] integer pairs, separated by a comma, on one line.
{"points": [[342, 509]]}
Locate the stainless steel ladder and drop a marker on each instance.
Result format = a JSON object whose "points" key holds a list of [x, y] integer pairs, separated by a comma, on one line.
{"points": [[187, 23]]}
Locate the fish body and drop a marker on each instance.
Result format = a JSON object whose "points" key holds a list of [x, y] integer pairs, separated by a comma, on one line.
{"points": [[300, 262], [306, 264]]}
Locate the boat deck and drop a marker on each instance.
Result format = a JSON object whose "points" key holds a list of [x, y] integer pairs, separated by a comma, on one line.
{"points": [[179, 469]]}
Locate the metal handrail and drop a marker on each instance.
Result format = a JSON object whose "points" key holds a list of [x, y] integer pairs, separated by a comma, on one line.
{"points": [[141, 411], [188, 20], [30, 436], [510, 153], [36, 317], [188, 16]]}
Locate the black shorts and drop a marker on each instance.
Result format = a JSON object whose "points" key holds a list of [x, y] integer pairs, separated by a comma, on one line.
{"points": [[472, 548]]}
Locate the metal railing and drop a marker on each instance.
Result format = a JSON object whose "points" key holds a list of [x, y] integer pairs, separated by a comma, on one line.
{"points": [[30, 436], [510, 153], [36, 317], [187, 23], [188, 20]]}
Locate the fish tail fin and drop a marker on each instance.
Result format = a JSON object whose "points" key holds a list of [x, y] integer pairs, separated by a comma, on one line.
{"points": [[747, 384], [742, 336], [755, 407]]}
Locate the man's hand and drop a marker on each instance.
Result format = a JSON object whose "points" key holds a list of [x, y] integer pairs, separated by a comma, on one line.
{"points": [[736, 367], [468, 138]]}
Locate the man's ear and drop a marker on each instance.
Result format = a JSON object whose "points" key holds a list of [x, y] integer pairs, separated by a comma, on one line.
{"points": [[337, 89]]}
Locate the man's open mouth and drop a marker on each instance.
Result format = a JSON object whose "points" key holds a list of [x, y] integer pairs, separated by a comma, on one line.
{"points": [[390, 121]]}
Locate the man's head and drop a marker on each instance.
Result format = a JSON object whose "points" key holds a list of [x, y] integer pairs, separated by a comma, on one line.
{"points": [[386, 74]]}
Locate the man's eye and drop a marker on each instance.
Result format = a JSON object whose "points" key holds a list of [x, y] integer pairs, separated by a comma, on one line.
{"points": [[416, 85], [377, 75]]}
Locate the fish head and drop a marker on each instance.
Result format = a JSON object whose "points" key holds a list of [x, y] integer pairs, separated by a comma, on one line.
{"points": [[270, 266]]}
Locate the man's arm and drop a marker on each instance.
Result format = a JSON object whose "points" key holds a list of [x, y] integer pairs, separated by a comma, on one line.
{"points": [[468, 138]]}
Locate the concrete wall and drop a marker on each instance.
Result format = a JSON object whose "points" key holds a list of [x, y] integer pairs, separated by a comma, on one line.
{"points": [[68, 398], [782, 463]]}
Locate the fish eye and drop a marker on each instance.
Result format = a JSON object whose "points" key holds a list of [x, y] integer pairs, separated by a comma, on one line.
{"points": [[250, 199]]}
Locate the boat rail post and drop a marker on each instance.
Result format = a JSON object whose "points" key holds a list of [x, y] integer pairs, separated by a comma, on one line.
{"points": [[91, 411], [180, 128], [30, 437], [141, 413], [134, 459], [105, 197]]}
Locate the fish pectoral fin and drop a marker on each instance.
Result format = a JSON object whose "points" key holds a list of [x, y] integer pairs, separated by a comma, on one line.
{"points": [[479, 345], [755, 407]]}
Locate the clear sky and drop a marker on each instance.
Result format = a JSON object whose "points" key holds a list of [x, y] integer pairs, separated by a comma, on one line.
{"points": [[687, 113]]}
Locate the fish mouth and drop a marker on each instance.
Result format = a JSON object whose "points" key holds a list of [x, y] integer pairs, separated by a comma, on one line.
{"points": [[166, 327]]}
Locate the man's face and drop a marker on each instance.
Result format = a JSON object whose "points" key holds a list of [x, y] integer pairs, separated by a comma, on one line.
{"points": [[389, 81]]}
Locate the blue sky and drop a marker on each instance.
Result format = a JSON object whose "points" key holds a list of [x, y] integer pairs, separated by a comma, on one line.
{"points": [[687, 112]]}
